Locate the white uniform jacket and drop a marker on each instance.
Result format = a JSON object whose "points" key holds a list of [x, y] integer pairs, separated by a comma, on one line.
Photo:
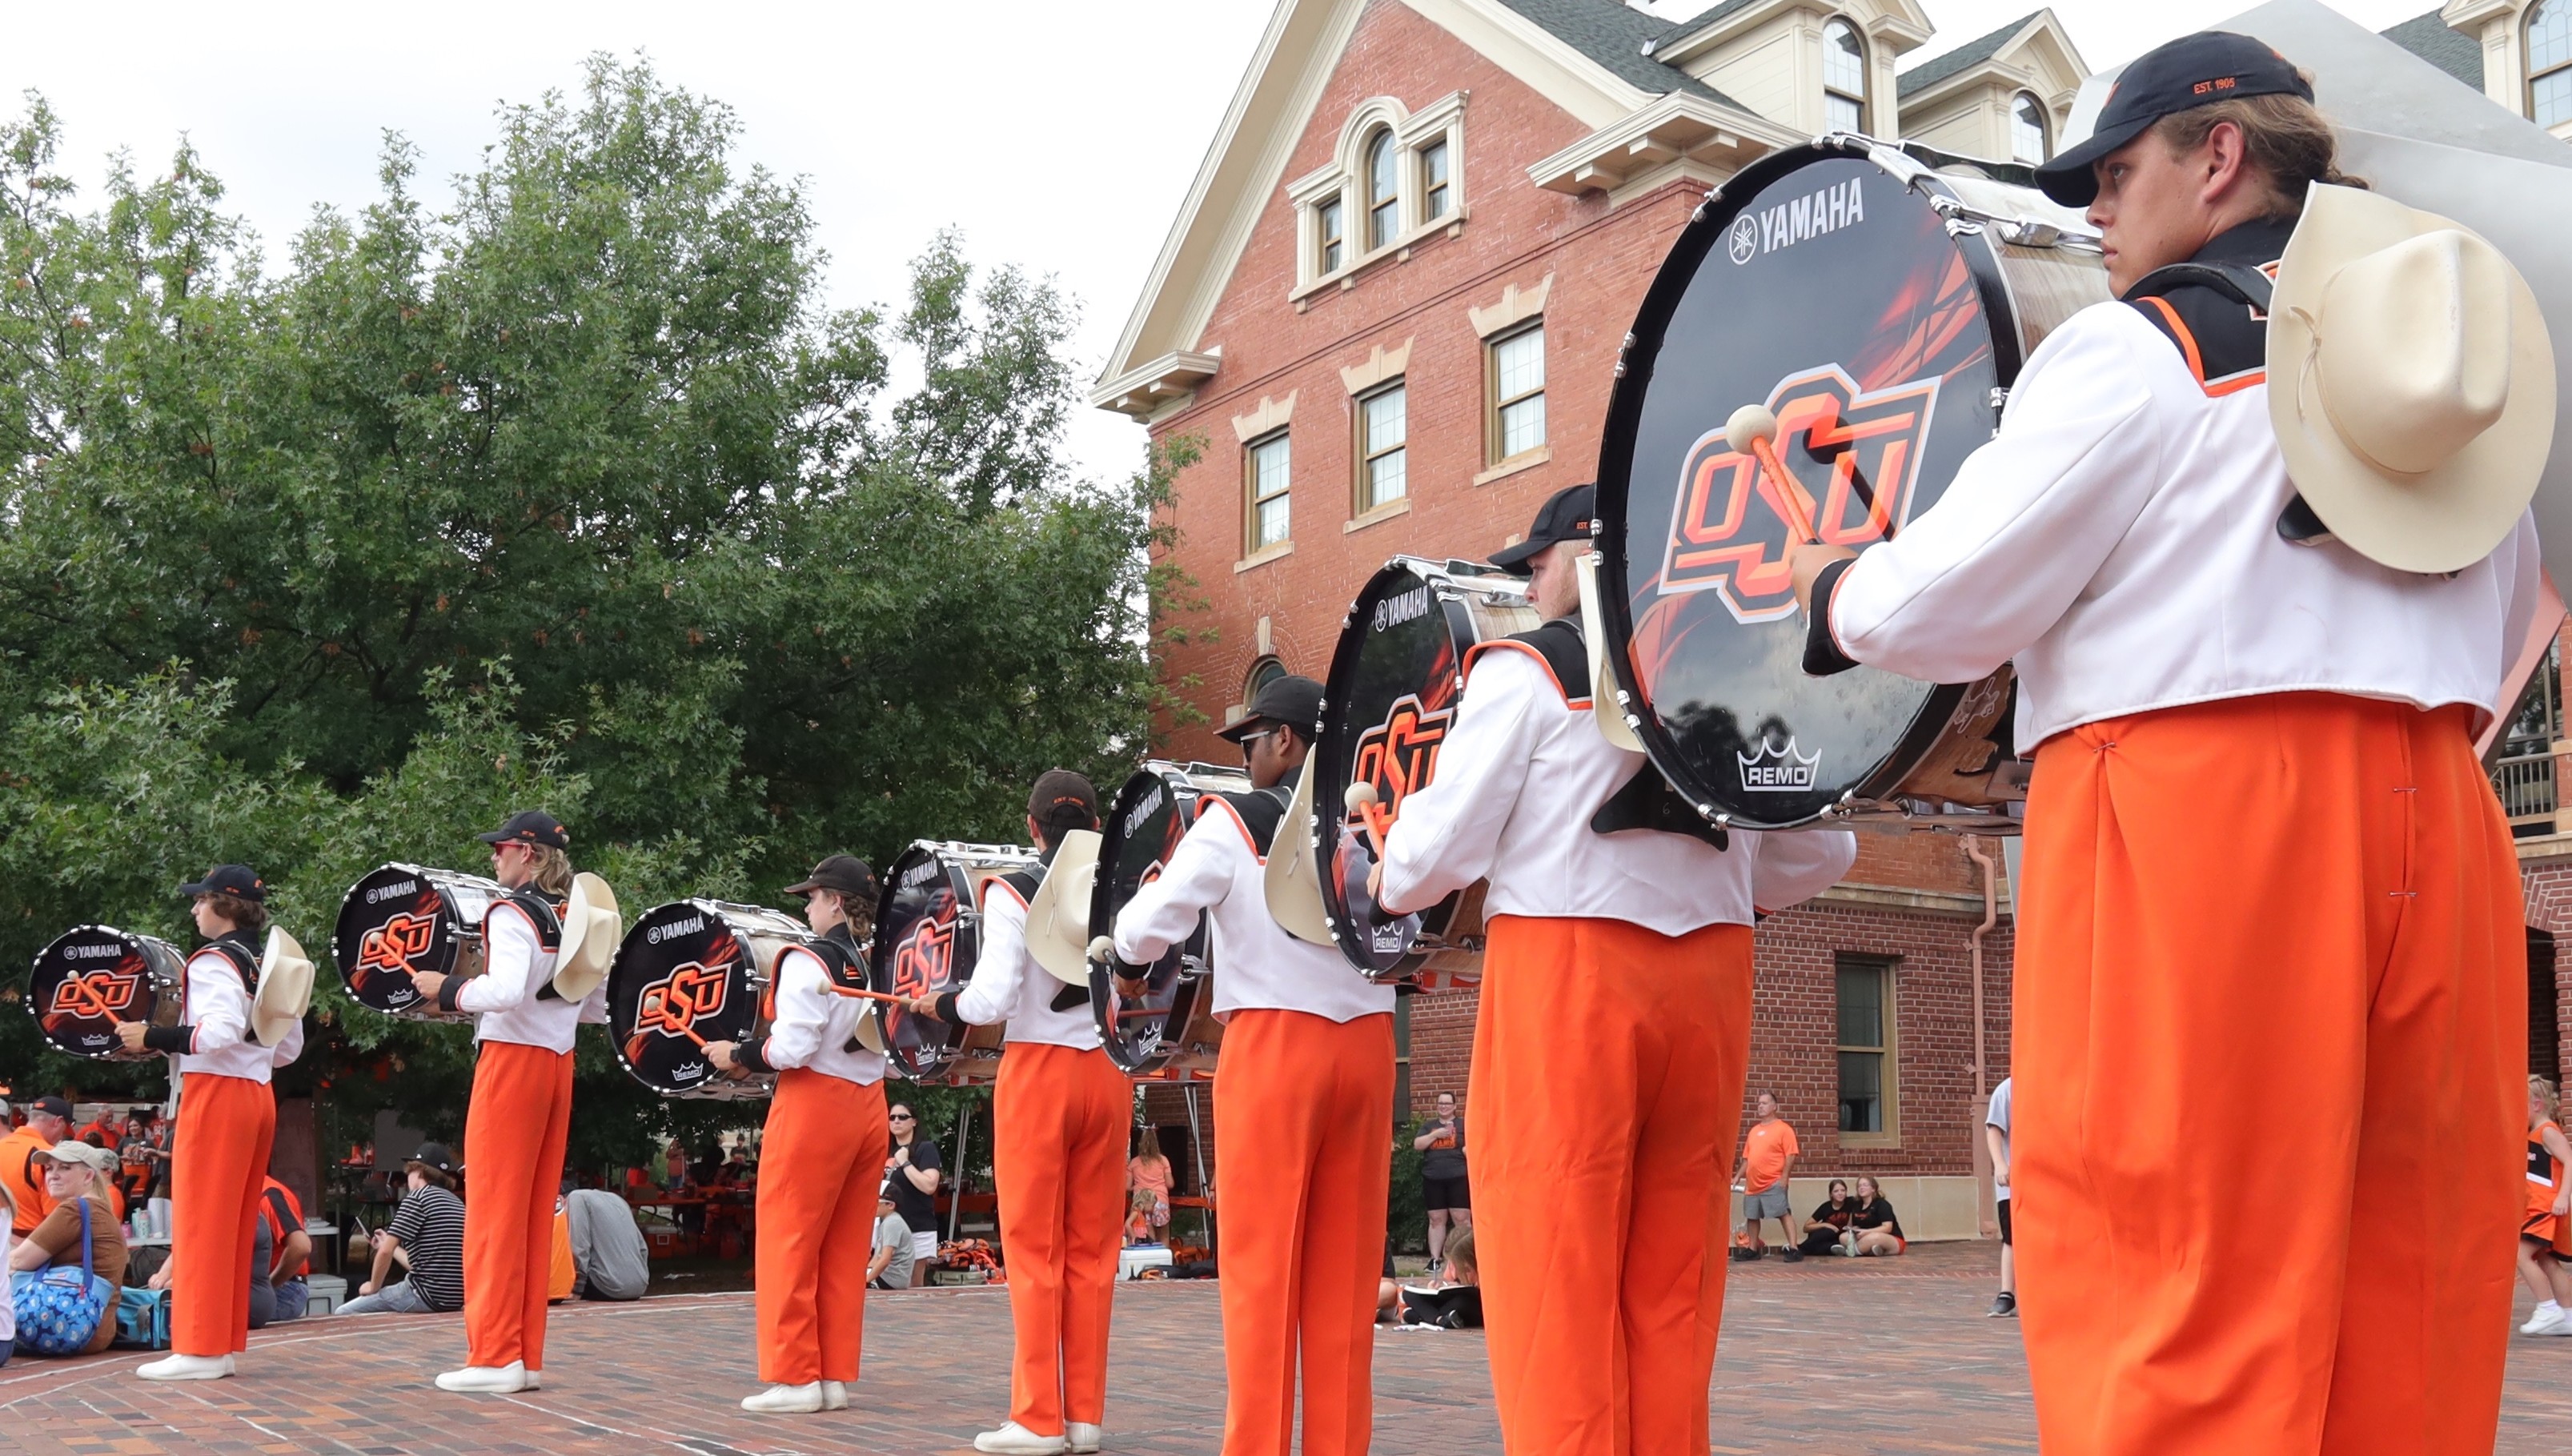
{"points": [[1219, 870], [219, 1018], [811, 1023], [1523, 770], [517, 968], [1008, 985], [2118, 539]]}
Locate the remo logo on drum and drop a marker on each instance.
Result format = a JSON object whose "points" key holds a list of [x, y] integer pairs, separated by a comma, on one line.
{"points": [[1856, 456]]}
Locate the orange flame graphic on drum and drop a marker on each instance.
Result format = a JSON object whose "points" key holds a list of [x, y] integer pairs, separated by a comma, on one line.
{"points": [[96, 996], [673, 1005]]}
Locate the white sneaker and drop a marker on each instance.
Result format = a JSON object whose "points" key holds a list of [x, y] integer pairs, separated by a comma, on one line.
{"points": [[1082, 1437], [785, 1400], [506, 1380], [535, 1380], [835, 1395], [2548, 1319], [193, 1367], [1017, 1440]]}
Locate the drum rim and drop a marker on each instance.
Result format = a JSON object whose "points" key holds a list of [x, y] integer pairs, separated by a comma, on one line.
{"points": [[616, 1041], [879, 959], [143, 941], [1635, 361], [1177, 776]]}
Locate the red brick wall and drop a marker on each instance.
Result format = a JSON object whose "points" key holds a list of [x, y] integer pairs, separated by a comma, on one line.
{"points": [[2548, 885]]}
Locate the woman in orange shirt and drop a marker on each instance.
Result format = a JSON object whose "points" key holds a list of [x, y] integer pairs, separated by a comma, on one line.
{"points": [[2545, 1234]]}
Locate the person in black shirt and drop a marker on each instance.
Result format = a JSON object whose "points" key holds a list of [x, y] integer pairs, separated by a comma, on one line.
{"points": [[1877, 1230], [1831, 1220], [911, 1176], [1442, 1177]]}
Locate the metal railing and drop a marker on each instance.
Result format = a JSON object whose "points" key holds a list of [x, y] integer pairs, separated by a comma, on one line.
{"points": [[2525, 784]]}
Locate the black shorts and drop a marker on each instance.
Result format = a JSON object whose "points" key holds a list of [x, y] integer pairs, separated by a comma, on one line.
{"points": [[1445, 1193], [2004, 1212]]}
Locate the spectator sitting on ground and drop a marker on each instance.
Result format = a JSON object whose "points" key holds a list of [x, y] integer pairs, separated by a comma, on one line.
{"points": [[1451, 1300], [1874, 1229], [890, 1267], [292, 1249], [1831, 1220], [134, 1159], [607, 1248], [426, 1237], [262, 1294], [75, 1172], [1767, 1163]]}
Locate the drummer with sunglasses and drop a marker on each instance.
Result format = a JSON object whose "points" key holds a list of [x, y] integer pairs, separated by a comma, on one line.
{"points": [[1305, 1082], [1616, 960]]}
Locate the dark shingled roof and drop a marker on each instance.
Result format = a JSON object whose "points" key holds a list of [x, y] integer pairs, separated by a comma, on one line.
{"points": [[2427, 36], [1613, 34], [1972, 53]]}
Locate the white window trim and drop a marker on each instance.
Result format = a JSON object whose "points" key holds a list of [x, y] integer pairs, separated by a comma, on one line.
{"points": [[1344, 177]]}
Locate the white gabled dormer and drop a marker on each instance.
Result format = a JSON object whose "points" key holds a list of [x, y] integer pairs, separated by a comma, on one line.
{"points": [[1808, 66], [2003, 97]]}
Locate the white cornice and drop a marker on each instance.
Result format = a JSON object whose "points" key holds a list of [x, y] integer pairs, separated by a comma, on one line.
{"points": [[1901, 25], [1677, 127], [1144, 391]]}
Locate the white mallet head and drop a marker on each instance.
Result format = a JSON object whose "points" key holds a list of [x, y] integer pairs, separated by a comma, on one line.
{"points": [[1360, 795], [1749, 422], [1102, 949]]}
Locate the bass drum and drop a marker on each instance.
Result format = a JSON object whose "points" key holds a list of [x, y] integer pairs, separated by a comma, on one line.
{"points": [[95, 976], [1395, 678], [927, 935], [690, 973], [1169, 1030], [1880, 309], [407, 918]]}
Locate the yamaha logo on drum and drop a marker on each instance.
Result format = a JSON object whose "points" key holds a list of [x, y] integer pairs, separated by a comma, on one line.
{"points": [[1789, 222], [1150, 805], [94, 948], [382, 893], [655, 935], [1402, 607], [921, 874], [1745, 243], [1778, 768]]}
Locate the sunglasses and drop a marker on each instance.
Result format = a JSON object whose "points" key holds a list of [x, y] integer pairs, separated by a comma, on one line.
{"points": [[897, 1117]]}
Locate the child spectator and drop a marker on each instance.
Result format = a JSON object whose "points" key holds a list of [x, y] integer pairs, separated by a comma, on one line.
{"points": [[1454, 1301], [2543, 1234], [1874, 1229], [1831, 1220], [1138, 1217]]}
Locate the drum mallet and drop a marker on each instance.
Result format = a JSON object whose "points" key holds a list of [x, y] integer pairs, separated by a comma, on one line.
{"points": [[1752, 431], [856, 994], [1364, 802]]}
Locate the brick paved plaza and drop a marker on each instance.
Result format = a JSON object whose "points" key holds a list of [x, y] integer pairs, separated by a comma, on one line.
{"points": [[1827, 1358]]}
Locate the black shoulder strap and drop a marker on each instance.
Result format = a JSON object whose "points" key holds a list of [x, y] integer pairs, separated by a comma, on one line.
{"points": [[546, 914], [243, 961], [1025, 882], [1261, 811], [1564, 651], [1648, 803]]}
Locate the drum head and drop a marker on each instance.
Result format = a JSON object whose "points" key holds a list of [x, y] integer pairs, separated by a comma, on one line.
{"points": [[1143, 829], [395, 920], [87, 980], [680, 980], [1818, 286], [919, 925]]}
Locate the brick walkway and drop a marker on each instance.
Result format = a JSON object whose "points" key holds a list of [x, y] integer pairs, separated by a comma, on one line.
{"points": [[1828, 1357]]}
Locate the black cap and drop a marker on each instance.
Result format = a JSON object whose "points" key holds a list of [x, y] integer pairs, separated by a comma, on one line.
{"points": [[530, 826], [1293, 701], [845, 873], [1063, 799], [435, 1156], [237, 881], [2192, 71], [55, 1105], [1565, 516]]}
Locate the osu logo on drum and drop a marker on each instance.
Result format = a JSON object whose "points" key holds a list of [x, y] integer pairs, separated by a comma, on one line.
{"points": [[1400, 755], [921, 960], [97, 994], [675, 1003], [1856, 457], [392, 944]]}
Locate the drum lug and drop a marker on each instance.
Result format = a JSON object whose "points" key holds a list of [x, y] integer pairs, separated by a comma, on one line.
{"points": [[1999, 397]]}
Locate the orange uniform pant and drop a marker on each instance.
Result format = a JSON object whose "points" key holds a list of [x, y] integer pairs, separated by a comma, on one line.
{"points": [[1300, 1174], [1608, 1070], [1058, 1118], [2270, 1021], [218, 1167], [514, 1130], [821, 1165]]}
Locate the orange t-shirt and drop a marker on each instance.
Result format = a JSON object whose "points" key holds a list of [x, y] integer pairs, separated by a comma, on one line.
{"points": [[26, 1177], [565, 1272], [1764, 1154], [2544, 1171]]}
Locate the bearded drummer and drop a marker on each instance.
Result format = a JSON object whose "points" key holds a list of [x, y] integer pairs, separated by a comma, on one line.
{"points": [[2270, 903], [226, 1124], [822, 1159], [1633, 944], [1059, 1117], [1305, 1085], [520, 1113]]}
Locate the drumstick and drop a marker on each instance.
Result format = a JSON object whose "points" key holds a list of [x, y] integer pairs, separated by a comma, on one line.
{"points": [[870, 995], [1753, 432], [1364, 802]]}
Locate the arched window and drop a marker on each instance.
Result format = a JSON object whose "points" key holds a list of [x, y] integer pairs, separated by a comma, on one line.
{"points": [[1383, 189], [2028, 141], [1845, 77], [2549, 62], [1263, 672]]}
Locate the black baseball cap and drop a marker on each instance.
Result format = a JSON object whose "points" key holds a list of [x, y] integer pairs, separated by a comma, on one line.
{"points": [[53, 1105], [530, 826], [1565, 516], [237, 881], [1293, 701], [435, 1156], [845, 873], [2192, 71], [1063, 799]]}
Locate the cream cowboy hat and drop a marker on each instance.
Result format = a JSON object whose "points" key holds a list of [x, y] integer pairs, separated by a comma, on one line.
{"points": [[1290, 883], [284, 988], [591, 929], [2410, 380], [1059, 918]]}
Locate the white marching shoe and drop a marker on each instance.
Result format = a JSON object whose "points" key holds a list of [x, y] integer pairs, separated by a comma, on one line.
{"points": [[835, 1395], [2549, 1318], [506, 1380], [188, 1367], [1081, 1438], [1017, 1440], [785, 1400]]}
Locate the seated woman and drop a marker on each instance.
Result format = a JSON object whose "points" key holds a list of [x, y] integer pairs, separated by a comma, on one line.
{"points": [[75, 1173], [1873, 1230], [1831, 1220], [1454, 1303]]}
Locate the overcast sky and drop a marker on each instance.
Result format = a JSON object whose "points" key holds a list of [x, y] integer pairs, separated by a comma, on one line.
{"points": [[1060, 135]]}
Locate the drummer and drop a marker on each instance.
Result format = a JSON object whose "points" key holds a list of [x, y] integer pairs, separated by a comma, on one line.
{"points": [[227, 1123], [1059, 1120], [2268, 902], [1305, 1088], [1617, 962], [822, 1159], [520, 1116]]}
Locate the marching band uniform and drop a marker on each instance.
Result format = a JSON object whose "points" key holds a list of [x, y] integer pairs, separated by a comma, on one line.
{"points": [[1305, 1091], [2269, 901], [1602, 1329]]}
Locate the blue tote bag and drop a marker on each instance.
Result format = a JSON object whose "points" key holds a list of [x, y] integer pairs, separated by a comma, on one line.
{"points": [[58, 1309]]}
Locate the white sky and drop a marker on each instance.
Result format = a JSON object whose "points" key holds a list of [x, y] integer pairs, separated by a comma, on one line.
{"points": [[1059, 136]]}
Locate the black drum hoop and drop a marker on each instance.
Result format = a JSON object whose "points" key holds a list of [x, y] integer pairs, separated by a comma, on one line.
{"points": [[1186, 798]]}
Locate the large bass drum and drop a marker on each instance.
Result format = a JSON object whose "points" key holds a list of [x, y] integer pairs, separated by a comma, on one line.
{"points": [[694, 972], [1395, 678], [929, 933], [1880, 309], [407, 918], [1170, 1029], [95, 976]]}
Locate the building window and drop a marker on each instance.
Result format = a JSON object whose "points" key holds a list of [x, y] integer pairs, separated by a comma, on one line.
{"points": [[1843, 78], [1383, 191], [1867, 1045], [1263, 672], [2026, 131], [1518, 393], [2549, 62], [1264, 470], [1436, 197], [1383, 432], [1330, 239]]}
